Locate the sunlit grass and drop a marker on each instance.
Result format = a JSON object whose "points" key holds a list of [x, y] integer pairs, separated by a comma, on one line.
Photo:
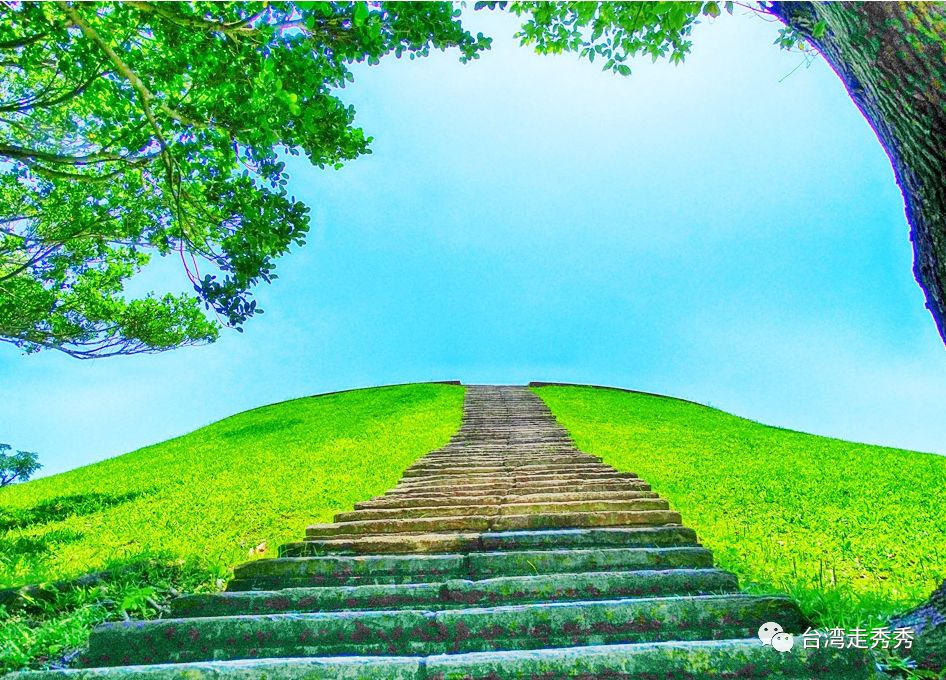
{"points": [[853, 532], [179, 515]]}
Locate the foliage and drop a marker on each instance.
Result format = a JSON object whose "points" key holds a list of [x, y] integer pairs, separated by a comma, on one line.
{"points": [[54, 624], [135, 129], [139, 129], [611, 31], [854, 532], [208, 501], [18, 466]]}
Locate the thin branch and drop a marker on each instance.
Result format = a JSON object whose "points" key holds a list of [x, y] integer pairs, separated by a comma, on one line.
{"points": [[197, 22], [21, 42], [22, 153]]}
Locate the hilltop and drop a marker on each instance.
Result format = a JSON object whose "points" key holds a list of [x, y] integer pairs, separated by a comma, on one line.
{"points": [[852, 531]]}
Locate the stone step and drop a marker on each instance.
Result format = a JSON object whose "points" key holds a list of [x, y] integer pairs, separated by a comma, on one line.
{"points": [[745, 659], [505, 508], [636, 537], [470, 453], [559, 461], [502, 461], [431, 501], [515, 478], [424, 632], [532, 487], [526, 468], [504, 590], [340, 570], [496, 523]]}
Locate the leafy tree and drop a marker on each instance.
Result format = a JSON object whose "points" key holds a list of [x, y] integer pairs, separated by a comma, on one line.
{"points": [[135, 129], [19, 466]]}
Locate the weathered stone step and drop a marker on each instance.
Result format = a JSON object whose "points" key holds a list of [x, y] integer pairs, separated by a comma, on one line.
{"points": [[456, 593], [502, 509], [460, 542], [508, 471], [710, 660], [339, 570], [745, 659], [496, 523], [541, 486], [516, 478], [529, 626], [503, 460], [505, 469], [445, 500]]}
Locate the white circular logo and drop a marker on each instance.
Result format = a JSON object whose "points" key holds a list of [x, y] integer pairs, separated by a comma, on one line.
{"points": [[768, 631], [783, 642]]}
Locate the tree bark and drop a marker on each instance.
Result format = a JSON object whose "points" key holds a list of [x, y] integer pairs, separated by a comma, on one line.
{"points": [[929, 622], [891, 57]]}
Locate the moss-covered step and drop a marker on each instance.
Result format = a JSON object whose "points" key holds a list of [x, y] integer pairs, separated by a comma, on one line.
{"points": [[530, 487], [444, 500], [705, 660], [447, 542], [504, 508], [515, 478], [338, 668], [329, 570], [501, 469], [690, 660], [462, 593], [425, 632], [496, 523], [562, 460], [569, 464]]}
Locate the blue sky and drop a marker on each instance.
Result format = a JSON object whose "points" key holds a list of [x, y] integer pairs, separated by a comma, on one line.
{"points": [[720, 231]]}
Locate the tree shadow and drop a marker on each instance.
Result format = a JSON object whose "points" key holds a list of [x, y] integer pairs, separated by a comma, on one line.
{"points": [[268, 427], [64, 507]]}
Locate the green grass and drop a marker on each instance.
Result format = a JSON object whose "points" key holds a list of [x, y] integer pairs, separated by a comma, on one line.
{"points": [[853, 532], [179, 515]]}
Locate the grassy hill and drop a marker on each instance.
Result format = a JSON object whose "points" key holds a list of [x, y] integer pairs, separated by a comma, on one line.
{"points": [[178, 515], [853, 531]]}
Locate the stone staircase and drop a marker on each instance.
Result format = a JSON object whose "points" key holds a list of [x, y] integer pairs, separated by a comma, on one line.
{"points": [[508, 553]]}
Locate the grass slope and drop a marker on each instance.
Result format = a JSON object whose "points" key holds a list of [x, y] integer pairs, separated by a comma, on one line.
{"points": [[180, 514], [854, 532]]}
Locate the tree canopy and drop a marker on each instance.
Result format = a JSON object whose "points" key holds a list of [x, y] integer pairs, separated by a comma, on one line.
{"points": [[135, 129], [17, 467]]}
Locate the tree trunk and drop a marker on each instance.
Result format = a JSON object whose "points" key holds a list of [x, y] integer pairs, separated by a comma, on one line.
{"points": [[891, 57], [929, 622]]}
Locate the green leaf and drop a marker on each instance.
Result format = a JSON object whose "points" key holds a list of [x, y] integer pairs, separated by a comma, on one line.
{"points": [[819, 28], [360, 13]]}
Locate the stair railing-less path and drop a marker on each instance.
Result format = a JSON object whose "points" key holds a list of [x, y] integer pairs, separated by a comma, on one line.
{"points": [[508, 553]]}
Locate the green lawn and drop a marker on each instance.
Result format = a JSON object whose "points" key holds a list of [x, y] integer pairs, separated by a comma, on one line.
{"points": [[853, 531], [181, 513]]}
